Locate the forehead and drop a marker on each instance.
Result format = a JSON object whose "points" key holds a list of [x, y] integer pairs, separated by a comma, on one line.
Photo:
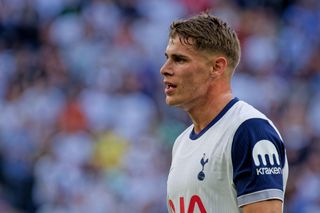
{"points": [[175, 45]]}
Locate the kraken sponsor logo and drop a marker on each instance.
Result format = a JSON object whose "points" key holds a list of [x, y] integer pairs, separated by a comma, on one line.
{"points": [[269, 171], [266, 158]]}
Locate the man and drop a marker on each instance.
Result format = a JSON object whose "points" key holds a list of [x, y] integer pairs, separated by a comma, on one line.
{"points": [[232, 158]]}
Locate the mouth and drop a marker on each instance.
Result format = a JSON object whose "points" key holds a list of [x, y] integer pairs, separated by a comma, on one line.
{"points": [[169, 88]]}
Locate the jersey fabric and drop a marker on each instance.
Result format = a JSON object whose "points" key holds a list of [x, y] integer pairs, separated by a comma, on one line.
{"points": [[238, 159]]}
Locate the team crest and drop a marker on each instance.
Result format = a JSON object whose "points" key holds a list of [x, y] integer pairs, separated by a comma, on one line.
{"points": [[203, 162]]}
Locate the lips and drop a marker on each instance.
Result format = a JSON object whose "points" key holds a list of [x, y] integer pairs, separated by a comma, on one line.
{"points": [[169, 87]]}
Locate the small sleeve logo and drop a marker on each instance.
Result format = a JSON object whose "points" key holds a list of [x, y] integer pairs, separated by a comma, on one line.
{"points": [[266, 158]]}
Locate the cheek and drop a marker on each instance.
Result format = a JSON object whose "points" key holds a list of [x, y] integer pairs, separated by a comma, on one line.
{"points": [[197, 87], [194, 81], [193, 78], [189, 83], [190, 88]]}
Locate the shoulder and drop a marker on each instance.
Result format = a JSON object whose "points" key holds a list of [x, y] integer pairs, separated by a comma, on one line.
{"points": [[246, 111], [253, 127], [258, 158], [239, 114], [182, 137], [184, 134], [253, 130], [253, 135]]}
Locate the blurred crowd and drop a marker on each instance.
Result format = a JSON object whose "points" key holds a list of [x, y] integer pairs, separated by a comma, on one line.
{"points": [[83, 123]]}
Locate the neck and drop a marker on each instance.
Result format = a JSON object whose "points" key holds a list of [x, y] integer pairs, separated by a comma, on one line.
{"points": [[203, 114]]}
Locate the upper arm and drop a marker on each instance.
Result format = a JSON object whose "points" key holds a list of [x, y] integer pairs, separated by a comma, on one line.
{"points": [[268, 206], [258, 159]]}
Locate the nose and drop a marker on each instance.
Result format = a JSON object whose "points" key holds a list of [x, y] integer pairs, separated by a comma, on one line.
{"points": [[165, 70]]}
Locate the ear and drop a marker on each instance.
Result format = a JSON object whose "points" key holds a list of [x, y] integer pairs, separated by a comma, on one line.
{"points": [[219, 66]]}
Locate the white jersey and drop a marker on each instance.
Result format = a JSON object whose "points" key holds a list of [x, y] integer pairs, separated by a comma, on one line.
{"points": [[238, 159]]}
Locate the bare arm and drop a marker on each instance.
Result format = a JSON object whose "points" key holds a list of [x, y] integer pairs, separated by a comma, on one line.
{"points": [[268, 206]]}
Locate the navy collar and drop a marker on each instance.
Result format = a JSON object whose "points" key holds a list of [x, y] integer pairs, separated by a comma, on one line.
{"points": [[194, 136]]}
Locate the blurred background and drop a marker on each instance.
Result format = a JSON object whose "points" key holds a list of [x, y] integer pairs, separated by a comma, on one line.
{"points": [[83, 123]]}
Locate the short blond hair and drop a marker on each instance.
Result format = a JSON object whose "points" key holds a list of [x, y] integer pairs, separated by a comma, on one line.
{"points": [[208, 33]]}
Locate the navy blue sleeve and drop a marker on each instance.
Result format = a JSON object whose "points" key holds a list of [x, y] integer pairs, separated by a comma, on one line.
{"points": [[258, 158]]}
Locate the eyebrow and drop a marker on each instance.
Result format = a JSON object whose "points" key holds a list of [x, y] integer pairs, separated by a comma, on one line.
{"points": [[176, 56]]}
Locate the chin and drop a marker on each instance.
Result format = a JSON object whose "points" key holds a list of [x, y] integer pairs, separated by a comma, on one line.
{"points": [[170, 101], [173, 102]]}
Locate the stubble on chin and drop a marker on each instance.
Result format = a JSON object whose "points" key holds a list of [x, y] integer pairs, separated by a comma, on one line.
{"points": [[170, 101]]}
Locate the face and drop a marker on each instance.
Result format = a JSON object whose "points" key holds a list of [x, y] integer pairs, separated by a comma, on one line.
{"points": [[186, 75]]}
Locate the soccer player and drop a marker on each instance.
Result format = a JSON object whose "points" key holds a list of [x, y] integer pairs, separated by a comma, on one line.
{"points": [[232, 158]]}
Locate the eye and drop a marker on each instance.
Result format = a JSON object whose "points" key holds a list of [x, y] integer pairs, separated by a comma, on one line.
{"points": [[179, 59]]}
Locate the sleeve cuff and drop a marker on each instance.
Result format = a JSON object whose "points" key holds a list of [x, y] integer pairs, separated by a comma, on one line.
{"points": [[267, 194]]}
